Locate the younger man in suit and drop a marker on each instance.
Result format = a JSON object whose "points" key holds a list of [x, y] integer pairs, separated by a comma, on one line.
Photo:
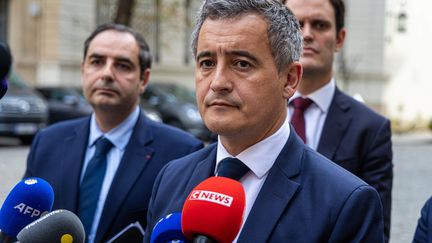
{"points": [[423, 232], [103, 167], [247, 67], [337, 126]]}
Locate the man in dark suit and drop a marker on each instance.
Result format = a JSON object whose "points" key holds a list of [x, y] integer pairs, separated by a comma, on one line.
{"points": [[115, 72], [337, 126], [247, 67], [423, 233]]}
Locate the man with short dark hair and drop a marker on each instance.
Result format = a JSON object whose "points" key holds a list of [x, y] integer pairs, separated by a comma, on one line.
{"points": [[337, 126], [102, 167], [246, 69]]}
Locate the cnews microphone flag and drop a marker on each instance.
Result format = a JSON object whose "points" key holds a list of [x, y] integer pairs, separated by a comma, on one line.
{"points": [[28, 201], [214, 209]]}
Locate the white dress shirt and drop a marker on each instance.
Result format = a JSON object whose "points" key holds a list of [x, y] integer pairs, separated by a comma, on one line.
{"points": [[119, 137], [316, 114], [260, 157]]}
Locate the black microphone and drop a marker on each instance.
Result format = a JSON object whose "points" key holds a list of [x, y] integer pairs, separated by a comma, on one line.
{"points": [[5, 65], [132, 233], [58, 226]]}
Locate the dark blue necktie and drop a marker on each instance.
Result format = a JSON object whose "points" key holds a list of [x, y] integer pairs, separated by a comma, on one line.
{"points": [[92, 183], [232, 168]]}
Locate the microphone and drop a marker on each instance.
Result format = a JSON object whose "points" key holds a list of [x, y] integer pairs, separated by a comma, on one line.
{"points": [[26, 202], [5, 64], [132, 233], [3, 87], [168, 229], [58, 226], [213, 211]]}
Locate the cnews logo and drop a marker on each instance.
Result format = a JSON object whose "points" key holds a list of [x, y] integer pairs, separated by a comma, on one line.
{"points": [[213, 197]]}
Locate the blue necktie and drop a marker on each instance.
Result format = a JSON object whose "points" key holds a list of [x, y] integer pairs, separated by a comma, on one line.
{"points": [[92, 183], [232, 168]]}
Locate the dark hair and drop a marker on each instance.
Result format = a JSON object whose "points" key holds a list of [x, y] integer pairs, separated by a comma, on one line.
{"points": [[283, 31], [144, 56], [339, 11]]}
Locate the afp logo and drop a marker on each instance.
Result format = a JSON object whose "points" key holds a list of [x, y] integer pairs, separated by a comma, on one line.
{"points": [[25, 209], [213, 197]]}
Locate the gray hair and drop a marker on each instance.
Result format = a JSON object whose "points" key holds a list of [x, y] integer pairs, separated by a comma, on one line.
{"points": [[283, 32]]}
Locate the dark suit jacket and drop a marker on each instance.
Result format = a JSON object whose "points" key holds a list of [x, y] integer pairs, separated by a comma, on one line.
{"points": [[423, 233], [359, 140], [305, 198], [57, 155]]}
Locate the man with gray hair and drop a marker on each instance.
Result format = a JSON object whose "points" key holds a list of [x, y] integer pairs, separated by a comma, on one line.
{"points": [[247, 67]]}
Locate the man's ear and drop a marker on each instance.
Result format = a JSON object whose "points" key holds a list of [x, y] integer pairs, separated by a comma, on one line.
{"points": [[145, 77], [292, 79], [340, 39]]}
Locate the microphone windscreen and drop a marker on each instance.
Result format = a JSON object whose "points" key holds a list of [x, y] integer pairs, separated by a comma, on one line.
{"points": [[27, 201], [5, 60], [214, 209], [168, 229], [58, 226]]}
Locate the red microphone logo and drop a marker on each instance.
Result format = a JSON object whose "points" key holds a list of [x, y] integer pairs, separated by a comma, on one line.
{"points": [[213, 197], [214, 209]]}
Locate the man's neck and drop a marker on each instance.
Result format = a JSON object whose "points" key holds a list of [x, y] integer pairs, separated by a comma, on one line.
{"points": [[109, 119], [313, 81]]}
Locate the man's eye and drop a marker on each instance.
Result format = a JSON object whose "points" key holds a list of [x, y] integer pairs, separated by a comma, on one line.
{"points": [[206, 63], [301, 24], [320, 25], [124, 67], [95, 61], [242, 64]]}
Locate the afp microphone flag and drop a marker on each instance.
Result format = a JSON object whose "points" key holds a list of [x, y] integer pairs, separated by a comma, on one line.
{"points": [[28, 201]]}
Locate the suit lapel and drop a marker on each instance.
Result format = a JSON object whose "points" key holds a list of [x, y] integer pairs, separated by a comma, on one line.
{"points": [[74, 149], [134, 160], [276, 193], [204, 169], [335, 125]]}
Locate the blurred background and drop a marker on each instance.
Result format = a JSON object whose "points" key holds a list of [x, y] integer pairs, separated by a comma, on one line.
{"points": [[384, 63]]}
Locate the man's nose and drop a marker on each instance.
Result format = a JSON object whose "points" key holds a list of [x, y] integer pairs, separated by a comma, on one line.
{"points": [[108, 73], [221, 81], [307, 32]]}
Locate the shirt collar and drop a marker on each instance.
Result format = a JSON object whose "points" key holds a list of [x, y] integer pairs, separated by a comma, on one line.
{"points": [[119, 135], [321, 97], [261, 156]]}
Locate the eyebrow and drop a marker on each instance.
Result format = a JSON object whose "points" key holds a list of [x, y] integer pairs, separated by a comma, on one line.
{"points": [[95, 55], [203, 54], [119, 59], [230, 53], [244, 54]]}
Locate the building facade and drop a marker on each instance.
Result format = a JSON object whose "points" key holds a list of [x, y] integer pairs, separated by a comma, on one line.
{"points": [[384, 61]]}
